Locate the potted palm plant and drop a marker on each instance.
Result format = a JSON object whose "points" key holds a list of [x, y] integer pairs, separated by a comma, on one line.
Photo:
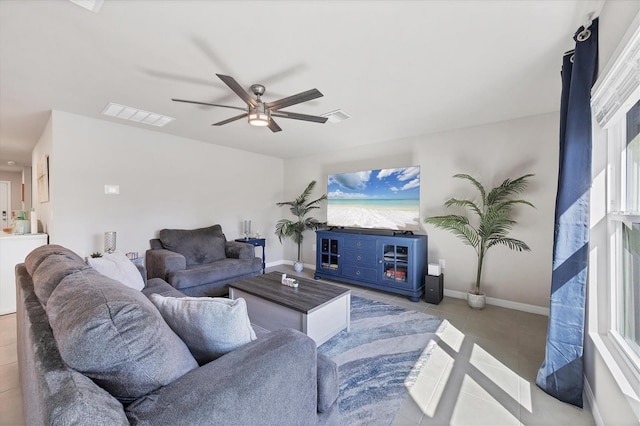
{"points": [[492, 223], [300, 207]]}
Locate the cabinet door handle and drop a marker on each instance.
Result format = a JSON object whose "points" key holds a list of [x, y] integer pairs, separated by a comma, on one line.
{"points": [[359, 258], [357, 272], [379, 260]]}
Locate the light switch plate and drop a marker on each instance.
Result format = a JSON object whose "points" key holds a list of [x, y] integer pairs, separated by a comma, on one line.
{"points": [[112, 189]]}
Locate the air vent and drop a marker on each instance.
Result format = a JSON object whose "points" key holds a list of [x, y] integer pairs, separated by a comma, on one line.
{"points": [[92, 5], [137, 115], [336, 116]]}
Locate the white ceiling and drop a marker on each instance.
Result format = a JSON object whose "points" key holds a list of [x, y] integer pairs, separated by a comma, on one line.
{"points": [[399, 68]]}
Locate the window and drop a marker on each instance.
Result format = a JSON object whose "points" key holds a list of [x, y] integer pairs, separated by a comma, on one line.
{"points": [[624, 217], [614, 288]]}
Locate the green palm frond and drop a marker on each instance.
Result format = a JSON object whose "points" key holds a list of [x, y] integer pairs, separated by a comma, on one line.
{"points": [[512, 243], [493, 215], [507, 189], [475, 183], [463, 203], [458, 225]]}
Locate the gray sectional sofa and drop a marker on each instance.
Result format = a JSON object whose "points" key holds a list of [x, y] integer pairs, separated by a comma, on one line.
{"points": [[94, 351], [200, 262]]}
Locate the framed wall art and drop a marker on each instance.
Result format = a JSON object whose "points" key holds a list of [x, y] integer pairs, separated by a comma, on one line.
{"points": [[43, 179]]}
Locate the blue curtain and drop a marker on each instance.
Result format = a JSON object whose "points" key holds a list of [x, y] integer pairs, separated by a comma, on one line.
{"points": [[561, 373]]}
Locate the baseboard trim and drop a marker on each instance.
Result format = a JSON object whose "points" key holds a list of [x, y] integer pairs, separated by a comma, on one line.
{"points": [[290, 263], [590, 398], [524, 307]]}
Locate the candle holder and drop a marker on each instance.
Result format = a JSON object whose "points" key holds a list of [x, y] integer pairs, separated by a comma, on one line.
{"points": [[247, 229], [109, 242]]}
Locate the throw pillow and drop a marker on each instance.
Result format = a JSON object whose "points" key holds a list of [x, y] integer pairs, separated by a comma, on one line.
{"points": [[117, 266], [198, 246], [210, 326], [114, 335]]}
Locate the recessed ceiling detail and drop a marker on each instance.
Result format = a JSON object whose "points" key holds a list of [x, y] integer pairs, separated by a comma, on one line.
{"points": [[336, 116], [137, 115]]}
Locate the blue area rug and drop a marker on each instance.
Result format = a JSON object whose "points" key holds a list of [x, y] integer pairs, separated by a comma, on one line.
{"points": [[376, 358]]}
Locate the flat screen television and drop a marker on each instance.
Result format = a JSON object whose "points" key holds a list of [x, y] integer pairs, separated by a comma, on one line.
{"points": [[375, 199]]}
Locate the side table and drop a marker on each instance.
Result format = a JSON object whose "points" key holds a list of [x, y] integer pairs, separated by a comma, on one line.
{"points": [[257, 242]]}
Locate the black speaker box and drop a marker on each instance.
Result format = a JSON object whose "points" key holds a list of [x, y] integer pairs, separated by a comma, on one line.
{"points": [[433, 288]]}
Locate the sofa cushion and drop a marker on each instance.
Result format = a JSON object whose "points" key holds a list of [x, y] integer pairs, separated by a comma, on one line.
{"points": [[215, 272], [161, 287], [114, 335], [51, 270], [210, 326], [117, 266], [38, 255], [198, 246]]}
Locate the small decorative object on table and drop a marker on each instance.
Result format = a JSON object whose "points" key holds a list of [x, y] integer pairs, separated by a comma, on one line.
{"points": [[132, 255], [247, 229], [109, 242], [291, 282]]}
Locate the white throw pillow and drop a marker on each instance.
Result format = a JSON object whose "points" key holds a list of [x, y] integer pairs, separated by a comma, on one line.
{"points": [[210, 326], [117, 266]]}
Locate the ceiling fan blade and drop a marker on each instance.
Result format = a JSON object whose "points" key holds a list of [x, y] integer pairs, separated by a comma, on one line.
{"points": [[296, 116], [294, 99], [230, 120], [274, 126], [235, 86], [205, 103]]}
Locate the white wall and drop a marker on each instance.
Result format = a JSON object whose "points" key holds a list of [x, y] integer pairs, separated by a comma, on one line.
{"points": [[165, 182], [43, 148], [491, 153]]}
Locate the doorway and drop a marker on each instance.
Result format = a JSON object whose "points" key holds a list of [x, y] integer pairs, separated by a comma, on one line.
{"points": [[5, 203]]}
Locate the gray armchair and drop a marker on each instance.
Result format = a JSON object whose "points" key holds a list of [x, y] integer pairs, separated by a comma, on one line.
{"points": [[200, 262]]}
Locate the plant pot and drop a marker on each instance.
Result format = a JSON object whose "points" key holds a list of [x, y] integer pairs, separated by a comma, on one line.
{"points": [[476, 301], [298, 266]]}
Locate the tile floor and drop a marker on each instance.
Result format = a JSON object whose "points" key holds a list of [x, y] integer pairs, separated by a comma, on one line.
{"points": [[482, 371], [10, 397]]}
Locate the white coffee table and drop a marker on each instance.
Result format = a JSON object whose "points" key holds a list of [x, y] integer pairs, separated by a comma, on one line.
{"points": [[315, 308]]}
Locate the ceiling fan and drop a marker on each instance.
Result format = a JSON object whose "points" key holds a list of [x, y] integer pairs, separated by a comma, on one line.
{"points": [[261, 113]]}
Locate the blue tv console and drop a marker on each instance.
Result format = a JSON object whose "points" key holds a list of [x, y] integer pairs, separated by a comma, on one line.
{"points": [[393, 263]]}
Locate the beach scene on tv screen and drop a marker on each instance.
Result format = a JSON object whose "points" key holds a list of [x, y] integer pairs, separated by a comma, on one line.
{"points": [[375, 199]]}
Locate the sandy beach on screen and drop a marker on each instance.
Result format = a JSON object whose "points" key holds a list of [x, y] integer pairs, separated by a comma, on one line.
{"points": [[361, 217]]}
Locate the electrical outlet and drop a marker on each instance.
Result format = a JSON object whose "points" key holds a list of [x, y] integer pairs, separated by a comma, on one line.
{"points": [[442, 263]]}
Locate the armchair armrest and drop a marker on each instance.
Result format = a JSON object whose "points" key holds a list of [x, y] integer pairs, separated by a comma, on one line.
{"points": [[269, 381], [238, 250], [161, 262]]}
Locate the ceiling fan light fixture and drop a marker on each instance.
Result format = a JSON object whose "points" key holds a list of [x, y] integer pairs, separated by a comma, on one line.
{"points": [[259, 115]]}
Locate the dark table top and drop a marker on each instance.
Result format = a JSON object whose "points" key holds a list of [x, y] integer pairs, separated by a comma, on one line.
{"points": [[306, 298]]}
